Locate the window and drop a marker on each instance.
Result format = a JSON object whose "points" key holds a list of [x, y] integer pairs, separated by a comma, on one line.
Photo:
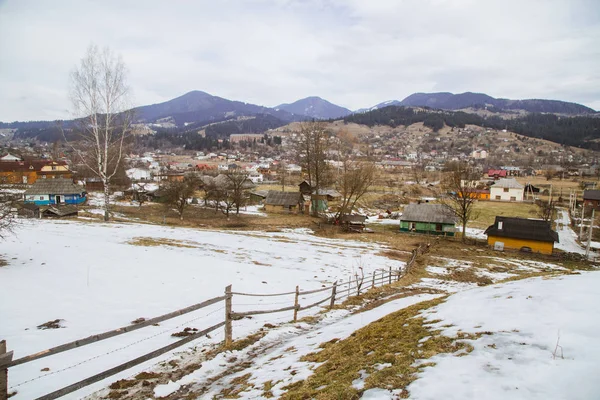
{"points": [[498, 198], [513, 198], [438, 227], [500, 223], [505, 190]]}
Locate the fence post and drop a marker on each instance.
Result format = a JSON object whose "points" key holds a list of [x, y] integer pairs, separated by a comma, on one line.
{"points": [[296, 304], [4, 371], [373, 281], [333, 292], [390, 277], [349, 285], [228, 327]]}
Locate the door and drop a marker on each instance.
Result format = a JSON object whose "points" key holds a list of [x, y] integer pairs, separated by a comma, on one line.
{"points": [[59, 199]]}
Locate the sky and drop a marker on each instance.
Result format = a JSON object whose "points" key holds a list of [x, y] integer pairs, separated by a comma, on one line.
{"points": [[354, 53]]}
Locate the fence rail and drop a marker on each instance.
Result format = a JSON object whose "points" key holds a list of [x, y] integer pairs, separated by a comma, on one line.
{"points": [[354, 285]]}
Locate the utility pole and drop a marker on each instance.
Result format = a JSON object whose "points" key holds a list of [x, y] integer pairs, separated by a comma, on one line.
{"points": [[587, 249], [581, 222]]}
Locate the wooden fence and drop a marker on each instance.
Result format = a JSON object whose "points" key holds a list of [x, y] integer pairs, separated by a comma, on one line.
{"points": [[354, 286]]}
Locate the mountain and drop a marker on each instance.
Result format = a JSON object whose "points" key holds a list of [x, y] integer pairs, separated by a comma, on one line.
{"points": [[315, 107], [450, 101], [378, 106], [198, 106]]}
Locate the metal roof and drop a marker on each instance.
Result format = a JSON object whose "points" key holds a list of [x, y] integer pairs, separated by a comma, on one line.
{"points": [[591, 195], [54, 186], [507, 183], [276, 198], [522, 228], [427, 212]]}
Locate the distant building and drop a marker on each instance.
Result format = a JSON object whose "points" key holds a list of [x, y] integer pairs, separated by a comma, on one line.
{"points": [[10, 157], [55, 191], [506, 190], [479, 154], [591, 198]]}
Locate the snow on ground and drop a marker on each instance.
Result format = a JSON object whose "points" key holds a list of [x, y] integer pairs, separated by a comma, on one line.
{"points": [[382, 221], [527, 319], [97, 199], [567, 237], [279, 358], [89, 276]]}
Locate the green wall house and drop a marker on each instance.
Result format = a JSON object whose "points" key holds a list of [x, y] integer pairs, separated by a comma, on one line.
{"points": [[432, 219]]}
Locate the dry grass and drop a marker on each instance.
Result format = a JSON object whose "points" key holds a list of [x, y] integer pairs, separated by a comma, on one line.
{"points": [[488, 210], [151, 242], [394, 339]]}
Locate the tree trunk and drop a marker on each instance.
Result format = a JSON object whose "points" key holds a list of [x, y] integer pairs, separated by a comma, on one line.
{"points": [[106, 200], [464, 232]]}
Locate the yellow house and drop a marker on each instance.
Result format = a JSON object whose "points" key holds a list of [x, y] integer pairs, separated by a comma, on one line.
{"points": [[531, 235]]}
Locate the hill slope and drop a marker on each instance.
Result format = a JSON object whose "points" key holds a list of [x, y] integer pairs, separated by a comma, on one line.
{"points": [[450, 101], [315, 107]]}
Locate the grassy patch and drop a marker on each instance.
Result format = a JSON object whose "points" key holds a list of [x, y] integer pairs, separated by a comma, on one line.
{"points": [[394, 339], [247, 341], [238, 385], [488, 210], [467, 275], [151, 242]]}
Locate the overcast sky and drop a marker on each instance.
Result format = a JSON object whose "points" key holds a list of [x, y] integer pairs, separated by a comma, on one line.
{"points": [[354, 53]]}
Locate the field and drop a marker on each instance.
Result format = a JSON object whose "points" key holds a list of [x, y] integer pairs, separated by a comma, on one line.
{"points": [[95, 277], [486, 211]]}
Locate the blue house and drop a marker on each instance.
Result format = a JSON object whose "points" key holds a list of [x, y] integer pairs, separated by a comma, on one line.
{"points": [[54, 191]]}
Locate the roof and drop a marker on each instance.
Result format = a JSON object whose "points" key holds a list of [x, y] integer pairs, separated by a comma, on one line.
{"points": [[353, 219], [427, 212], [591, 195], [522, 228], [62, 210], [54, 186], [499, 172], [509, 183], [328, 192], [276, 198], [22, 166]]}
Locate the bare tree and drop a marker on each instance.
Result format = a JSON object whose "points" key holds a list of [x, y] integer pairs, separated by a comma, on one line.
{"points": [[177, 193], [354, 182], [281, 173], [140, 193], [237, 185], [549, 174], [7, 220], [313, 145], [461, 194], [100, 100], [546, 209]]}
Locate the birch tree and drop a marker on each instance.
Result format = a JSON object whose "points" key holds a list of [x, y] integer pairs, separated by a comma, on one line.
{"points": [[100, 99]]}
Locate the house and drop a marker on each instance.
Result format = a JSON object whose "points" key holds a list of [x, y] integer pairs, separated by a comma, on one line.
{"points": [[591, 198], [28, 172], [94, 185], [287, 202], [10, 157], [506, 190], [522, 234], [434, 219], [496, 173], [55, 191]]}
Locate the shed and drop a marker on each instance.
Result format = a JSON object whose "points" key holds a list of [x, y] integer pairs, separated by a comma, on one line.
{"points": [[435, 219], [60, 211], [288, 202], [513, 233], [305, 187], [591, 198], [28, 210], [54, 191], [353, 223]]}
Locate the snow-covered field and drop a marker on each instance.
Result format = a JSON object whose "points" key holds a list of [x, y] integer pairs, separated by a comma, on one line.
{"points": [[517, 356], [92, 278]]}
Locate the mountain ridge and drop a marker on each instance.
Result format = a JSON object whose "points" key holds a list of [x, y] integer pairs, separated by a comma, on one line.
{"points": [[315, 107]]}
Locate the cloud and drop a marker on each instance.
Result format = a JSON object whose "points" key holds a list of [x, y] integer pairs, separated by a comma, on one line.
{"points": [[354, 53]]}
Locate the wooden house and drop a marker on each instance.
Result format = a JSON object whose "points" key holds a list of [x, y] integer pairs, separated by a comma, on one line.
{"points": [[54, 191], [28, 172], [532, 235], [284, 202], [591, 198], [433, 219], [305, 187], [60, 211]]}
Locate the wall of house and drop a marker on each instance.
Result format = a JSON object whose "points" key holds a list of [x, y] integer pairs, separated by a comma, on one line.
{"points": [[428, 228], [506, 196], [517, 244], [18, 177], [281, 209], [46, 200]]}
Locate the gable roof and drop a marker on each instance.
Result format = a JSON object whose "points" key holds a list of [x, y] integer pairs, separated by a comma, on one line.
{"points": [[522, 228], [427, 212], [591, 195], [54, 186], [276, 198], [509, 183], [61, 211], [498, 172]]}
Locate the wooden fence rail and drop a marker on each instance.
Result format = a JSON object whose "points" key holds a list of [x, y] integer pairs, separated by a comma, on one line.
{"points": [[338, 291]]}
